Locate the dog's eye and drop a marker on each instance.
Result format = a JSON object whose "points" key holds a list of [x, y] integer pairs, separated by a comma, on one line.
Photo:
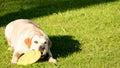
{"points": [[45, 42], [36, 42]]}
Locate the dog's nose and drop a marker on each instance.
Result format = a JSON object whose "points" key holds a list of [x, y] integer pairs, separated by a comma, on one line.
{"points": [[42, 47]]}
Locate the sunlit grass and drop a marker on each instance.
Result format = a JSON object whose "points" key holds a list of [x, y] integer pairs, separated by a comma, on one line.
{"points": [[83, 37]]}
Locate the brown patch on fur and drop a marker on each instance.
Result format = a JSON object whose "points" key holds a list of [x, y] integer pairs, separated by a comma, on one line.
{"points": [[17, 54], [28, 42]]}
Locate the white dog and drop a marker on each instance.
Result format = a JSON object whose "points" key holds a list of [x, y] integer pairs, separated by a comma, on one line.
{"points": [[22, 35]]}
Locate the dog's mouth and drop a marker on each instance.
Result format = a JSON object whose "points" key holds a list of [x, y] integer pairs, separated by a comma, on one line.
{"points": [[42, 55], [44, 51]]}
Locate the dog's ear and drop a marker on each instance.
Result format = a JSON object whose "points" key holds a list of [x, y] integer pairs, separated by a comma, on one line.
{"points": [[49, 44], [28, 42]]}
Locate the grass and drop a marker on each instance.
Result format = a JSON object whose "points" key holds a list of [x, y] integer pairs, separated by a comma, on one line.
{"points": [[85, 34]]}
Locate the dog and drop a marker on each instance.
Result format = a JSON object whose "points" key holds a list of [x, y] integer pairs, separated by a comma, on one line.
{"points": [[23, 35]]}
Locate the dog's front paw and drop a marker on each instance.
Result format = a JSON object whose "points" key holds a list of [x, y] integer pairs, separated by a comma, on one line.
{"points": [[14, 60], [52, 60]]}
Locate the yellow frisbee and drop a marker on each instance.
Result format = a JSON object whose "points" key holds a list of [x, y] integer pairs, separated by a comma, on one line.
{"points": [[29, 57]]}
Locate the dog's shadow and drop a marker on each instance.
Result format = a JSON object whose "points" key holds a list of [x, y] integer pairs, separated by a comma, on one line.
{"points": [[62, 46]]}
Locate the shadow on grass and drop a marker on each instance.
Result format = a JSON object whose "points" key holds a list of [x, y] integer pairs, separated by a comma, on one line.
{"points": [[63, 46], [47, 9]]}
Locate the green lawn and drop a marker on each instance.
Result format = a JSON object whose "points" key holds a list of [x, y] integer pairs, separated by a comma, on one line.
{"points": [[85, 33]]}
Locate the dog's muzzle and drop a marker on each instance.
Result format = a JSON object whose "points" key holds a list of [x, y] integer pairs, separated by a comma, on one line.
{"points": [[42, 47], [43, 52]]}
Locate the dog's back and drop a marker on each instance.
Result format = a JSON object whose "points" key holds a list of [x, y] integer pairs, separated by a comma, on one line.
{"points": [[20, 29]]}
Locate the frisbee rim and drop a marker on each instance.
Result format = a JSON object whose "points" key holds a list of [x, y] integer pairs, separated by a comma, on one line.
{"points": [[32, 57]]}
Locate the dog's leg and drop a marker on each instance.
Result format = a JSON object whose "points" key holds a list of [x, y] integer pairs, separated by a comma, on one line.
{"points": [[51, 59], [15, 57]]}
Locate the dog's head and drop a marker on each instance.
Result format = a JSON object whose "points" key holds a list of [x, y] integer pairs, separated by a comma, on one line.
{"points": [[40, 43]]}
